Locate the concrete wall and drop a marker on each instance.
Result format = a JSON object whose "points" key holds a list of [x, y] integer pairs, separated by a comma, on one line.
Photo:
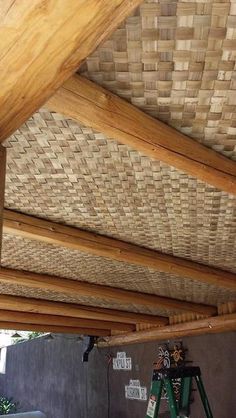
{"points": [[49, 376], [215, 354]]}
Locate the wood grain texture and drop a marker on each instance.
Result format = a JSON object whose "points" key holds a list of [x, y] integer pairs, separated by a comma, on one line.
{"points": [[212, 325], [42, 43], [77, 239], [94, 106], [73, 287], [42, 319], [53, 328], [39, 306], [2, 189]]}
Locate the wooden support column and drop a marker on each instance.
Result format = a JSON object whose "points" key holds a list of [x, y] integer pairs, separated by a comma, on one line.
{"points": [[2, 189]]}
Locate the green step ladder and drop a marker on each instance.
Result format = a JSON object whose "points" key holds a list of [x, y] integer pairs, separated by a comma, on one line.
{"points": [[163, 378]]}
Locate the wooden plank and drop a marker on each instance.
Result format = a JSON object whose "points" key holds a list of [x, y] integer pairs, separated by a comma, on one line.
{"points": [[40, 306], [2, 188], [42, 42], [78, 288], [77, 239], [94, 106], [203, 326], [54, 328], [42, 319]]}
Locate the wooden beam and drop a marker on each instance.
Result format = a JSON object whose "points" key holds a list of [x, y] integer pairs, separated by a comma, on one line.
{"points": [[94, 106], [42, 43], [50, 232], [203, 326], [2, 189], [77, 288], [40, 306], [42, 319], [54, 329]]}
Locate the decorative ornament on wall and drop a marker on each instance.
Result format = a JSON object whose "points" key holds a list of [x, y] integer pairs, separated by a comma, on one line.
{"points": [[171, 356]]}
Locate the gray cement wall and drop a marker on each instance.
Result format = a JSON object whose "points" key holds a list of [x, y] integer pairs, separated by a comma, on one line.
{"points": [[49, 376], [215, 354]]}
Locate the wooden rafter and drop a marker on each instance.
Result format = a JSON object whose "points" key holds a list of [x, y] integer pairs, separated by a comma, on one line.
{"points": [[94, 106], [75, 288], [58, 320], [42, 306], [77, 239], [42, 42], [54, 328], [202, 326]]}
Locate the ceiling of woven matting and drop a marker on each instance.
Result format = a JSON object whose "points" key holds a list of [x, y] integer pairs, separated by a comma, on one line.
{"points": [[175, 61]]}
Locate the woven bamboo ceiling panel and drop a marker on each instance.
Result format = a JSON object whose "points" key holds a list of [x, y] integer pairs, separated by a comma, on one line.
{"points": [[176, 61], [61, 171], [30, 255], [28, 292]]}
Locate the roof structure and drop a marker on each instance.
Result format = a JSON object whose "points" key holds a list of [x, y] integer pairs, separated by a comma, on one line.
{"points": [[121, 208]]}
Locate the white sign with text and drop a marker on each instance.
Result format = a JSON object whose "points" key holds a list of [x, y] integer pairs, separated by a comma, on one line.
{"points": [[121, 362]]}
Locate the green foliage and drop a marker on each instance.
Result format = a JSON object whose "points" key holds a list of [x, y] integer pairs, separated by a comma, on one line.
{"points": [[7, 406], [34, 334], [28, 336]]}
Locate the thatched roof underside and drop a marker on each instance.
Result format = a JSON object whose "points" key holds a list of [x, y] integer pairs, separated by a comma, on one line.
{"points": [[175, 61]]}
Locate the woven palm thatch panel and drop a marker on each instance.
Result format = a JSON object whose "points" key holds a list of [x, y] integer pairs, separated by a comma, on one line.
{"points": [[30, 255], [28, 292], [176, 61], [68, 173]]}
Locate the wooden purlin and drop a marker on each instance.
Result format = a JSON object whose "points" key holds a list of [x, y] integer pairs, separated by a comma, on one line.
{"points": [[217, 324], [58, 320], [74, 288], [74, 238], [47, 307], [93, 106], [53, 328], [58, 38]]}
